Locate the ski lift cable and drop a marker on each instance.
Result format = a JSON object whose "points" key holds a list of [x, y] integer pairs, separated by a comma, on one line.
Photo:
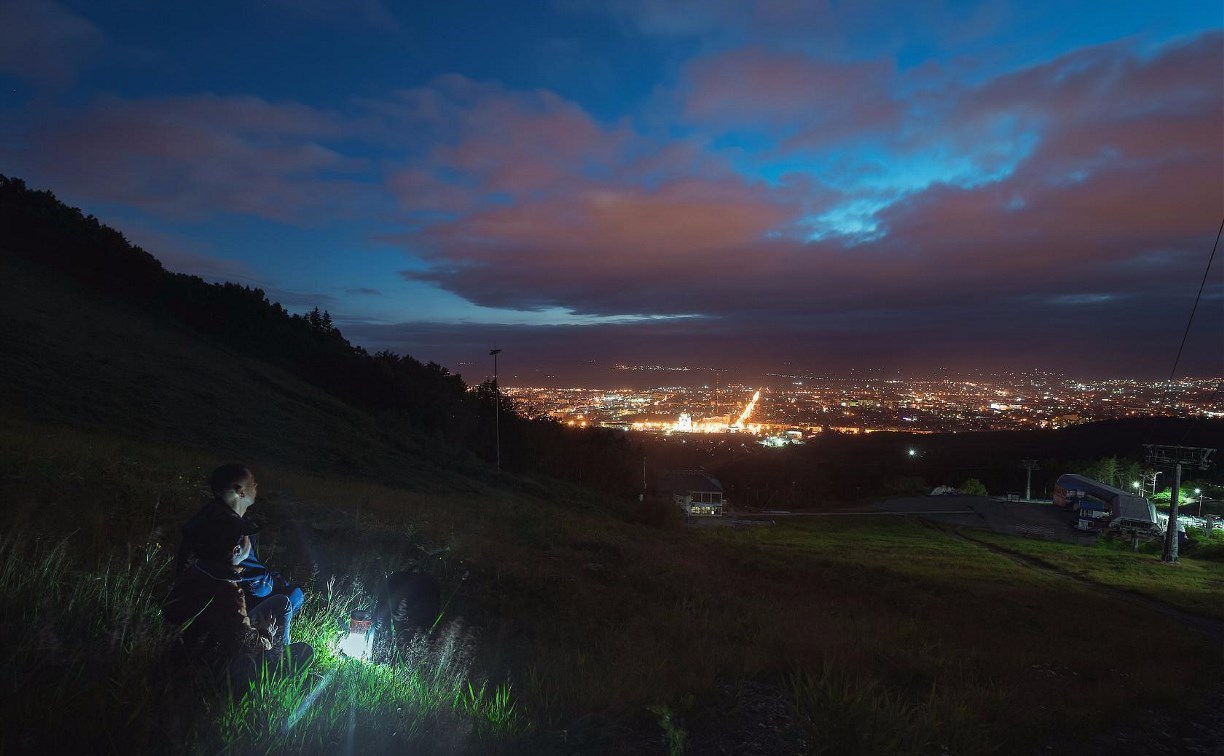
{"points": [[1189, 322]]}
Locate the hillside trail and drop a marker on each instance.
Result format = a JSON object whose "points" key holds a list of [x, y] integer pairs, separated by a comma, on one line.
{"points": [[1158, 733]]}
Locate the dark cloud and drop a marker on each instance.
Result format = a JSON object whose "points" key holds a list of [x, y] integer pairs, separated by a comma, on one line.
{"points": [[1099, 338], [44, 42], [363, 291]]}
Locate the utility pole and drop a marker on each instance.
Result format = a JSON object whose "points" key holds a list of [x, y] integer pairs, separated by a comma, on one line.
{"points": [[496, 406], [1029, 466], [1175, 456]]}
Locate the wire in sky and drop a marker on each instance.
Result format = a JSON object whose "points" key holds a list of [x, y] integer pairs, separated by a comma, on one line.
{"points": [[1215, 246]]}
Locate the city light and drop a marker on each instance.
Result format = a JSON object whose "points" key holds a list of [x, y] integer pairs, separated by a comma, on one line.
{"points": [[800, 406]]}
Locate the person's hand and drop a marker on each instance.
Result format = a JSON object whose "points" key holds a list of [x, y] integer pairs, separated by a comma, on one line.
{"points": [[241, 551], [267, 625]]}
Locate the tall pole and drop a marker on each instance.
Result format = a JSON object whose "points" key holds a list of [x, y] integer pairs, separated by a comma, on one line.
{"points": [[1029, 465], [1197, 457], [642, 496], [496, 407], [1170, 549]]}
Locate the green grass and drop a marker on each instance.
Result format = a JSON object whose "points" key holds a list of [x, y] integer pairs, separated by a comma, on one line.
{"points": [[87, 650], [580, 632], [1194, 584]]}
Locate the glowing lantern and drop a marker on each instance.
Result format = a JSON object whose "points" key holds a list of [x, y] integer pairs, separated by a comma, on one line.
{"points": [[357, 642]]}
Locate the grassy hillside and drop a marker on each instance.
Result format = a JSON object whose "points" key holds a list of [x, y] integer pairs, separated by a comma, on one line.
{"points": [[569, 626], [602, 636]]}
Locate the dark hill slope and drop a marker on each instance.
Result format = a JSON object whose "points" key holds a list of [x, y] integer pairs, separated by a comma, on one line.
{"points": [[69, 357], [96, 333]]}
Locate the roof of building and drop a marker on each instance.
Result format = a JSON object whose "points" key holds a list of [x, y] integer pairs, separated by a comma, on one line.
{"points": [[1095, 487], [684, 481]]}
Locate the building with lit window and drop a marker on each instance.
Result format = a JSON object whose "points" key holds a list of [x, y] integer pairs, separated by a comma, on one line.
{"points": [[695, 493]]}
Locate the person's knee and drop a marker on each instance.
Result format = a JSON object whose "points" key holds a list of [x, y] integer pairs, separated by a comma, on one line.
{"points": [[275, 606]]}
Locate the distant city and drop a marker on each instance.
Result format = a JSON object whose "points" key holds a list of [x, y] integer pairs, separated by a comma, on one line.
{"points": [[788, 408]]}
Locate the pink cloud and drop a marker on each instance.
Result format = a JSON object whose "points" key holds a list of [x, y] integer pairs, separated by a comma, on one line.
{"points": [[488, 141], [604, 249], [788, 93], [192, 156]]}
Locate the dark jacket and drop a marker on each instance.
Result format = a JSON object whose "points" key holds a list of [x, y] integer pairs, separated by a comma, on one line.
{"points": [[210, 608], [255, 578]]}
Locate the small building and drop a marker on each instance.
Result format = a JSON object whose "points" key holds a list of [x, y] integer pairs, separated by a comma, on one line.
{"points": [[694, 492], [1100, 505]]}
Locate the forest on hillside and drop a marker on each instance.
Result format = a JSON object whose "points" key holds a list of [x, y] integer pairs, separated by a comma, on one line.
{"points": [[427, 398]]}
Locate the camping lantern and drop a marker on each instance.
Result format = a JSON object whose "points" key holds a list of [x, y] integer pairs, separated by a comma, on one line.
{"points": [[357, 642]]}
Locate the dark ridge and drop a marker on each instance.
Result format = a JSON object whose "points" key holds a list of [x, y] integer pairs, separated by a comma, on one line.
{"points": [[99, 334]]}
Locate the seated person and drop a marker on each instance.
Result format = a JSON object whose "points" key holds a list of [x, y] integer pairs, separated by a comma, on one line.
{"points": [[234, 490], [209, 606]]}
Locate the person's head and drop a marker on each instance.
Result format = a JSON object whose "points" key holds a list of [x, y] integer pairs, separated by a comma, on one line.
{"points": [[235, 486]]}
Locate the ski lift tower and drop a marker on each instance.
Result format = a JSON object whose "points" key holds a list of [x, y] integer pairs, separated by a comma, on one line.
{"points": [[1194, 457]]}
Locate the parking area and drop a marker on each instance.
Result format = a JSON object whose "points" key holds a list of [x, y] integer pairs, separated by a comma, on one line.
{"points": [[1022, 518]]}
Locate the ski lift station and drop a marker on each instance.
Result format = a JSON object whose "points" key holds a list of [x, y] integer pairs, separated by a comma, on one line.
{"points": [[1100, 506]]}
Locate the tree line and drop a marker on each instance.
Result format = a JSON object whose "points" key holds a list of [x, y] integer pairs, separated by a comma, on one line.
{"points": [[397, 389]]}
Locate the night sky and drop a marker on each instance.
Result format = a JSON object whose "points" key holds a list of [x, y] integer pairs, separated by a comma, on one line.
{"points": [[789, 185]]}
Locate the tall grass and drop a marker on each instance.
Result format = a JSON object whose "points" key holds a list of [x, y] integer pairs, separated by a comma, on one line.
{"points": [[83, 649], [846, 713], [85, 653]]}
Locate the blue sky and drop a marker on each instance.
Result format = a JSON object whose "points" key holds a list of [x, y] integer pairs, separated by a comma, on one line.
{"points": [[834, 185]]}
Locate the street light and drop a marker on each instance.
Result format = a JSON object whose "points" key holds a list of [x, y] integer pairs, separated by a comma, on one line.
{"points": [[913, 452], [496, 406], [1199, 493]]}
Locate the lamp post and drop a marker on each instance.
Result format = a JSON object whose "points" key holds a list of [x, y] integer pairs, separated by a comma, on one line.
{"points": [[496, 407], [1199, 493]]}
